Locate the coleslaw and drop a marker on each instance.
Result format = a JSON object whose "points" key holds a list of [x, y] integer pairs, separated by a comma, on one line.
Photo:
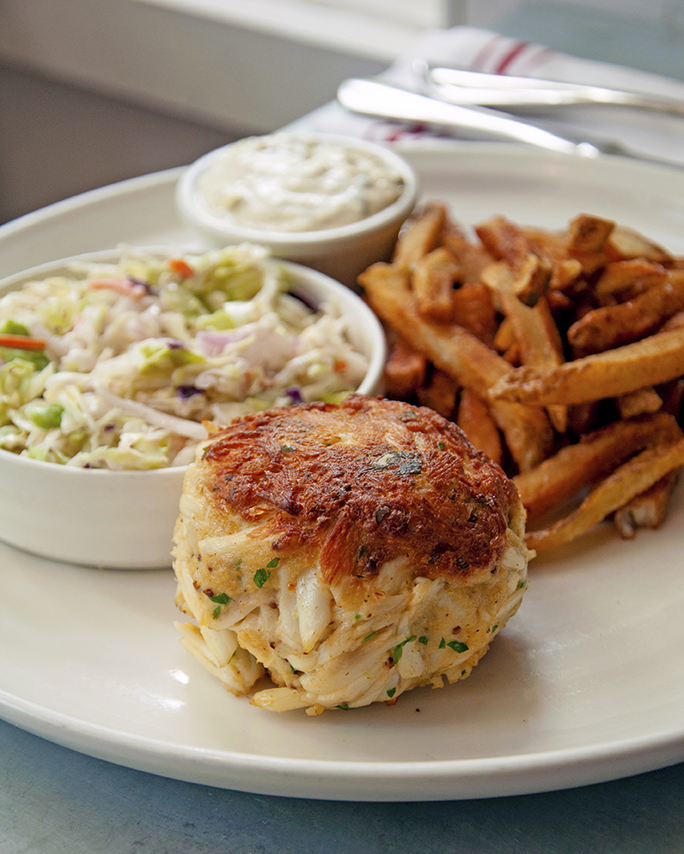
{"points": [[116, 365]]}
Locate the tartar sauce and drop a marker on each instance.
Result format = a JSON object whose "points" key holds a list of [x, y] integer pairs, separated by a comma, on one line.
{"points": [[285, 182]]}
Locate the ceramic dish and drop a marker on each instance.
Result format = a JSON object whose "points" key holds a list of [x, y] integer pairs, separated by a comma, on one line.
{"points": [[340, 251], [586, 685], [125, 519]]}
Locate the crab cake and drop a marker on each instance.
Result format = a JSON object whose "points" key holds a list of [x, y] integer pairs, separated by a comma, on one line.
{"points": [[349, 551]]}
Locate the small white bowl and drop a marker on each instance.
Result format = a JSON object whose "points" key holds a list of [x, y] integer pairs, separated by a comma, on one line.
{"points": [[342, 252], [125, 519]]}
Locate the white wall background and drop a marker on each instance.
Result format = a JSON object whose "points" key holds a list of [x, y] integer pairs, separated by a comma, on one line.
{"points": [[57, 140]]}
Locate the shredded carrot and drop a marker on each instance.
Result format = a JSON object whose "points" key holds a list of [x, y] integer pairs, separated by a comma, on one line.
{"points": [[22, 342], [178, 265], [125, 287]]}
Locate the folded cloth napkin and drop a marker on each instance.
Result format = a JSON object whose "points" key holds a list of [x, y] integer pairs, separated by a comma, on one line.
{"points": [[471, 48]]}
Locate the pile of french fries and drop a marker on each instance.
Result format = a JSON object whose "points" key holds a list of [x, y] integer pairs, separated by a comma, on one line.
{"points": [[561, 356]]}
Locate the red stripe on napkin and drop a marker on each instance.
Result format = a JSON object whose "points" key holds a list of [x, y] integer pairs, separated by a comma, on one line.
{"points": [[481, 61], [514, 52]]}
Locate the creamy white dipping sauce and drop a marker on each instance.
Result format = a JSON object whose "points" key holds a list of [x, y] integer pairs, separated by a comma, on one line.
{"points": [[285, 182]]}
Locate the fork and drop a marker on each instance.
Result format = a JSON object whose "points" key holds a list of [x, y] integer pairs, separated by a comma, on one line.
{"points": [[470, 88]]}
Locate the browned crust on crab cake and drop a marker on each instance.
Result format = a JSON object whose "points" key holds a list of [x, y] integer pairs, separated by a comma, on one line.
{"points": [[364, 482]]}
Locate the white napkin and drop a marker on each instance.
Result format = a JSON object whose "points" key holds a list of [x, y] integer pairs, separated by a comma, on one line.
{"points": [[645, 132]]}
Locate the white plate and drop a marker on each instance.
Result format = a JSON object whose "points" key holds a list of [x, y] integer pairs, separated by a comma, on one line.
{"points": [[586, 684]]}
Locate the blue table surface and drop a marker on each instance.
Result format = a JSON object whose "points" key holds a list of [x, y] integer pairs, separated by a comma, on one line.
{"points": [[56, 801]]}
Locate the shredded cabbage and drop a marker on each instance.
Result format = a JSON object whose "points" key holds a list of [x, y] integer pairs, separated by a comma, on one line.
{"points": [[139, 352]]}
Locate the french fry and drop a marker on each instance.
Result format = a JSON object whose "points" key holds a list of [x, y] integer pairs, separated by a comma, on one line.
{"points": [[588, 241], [589, 234], [558, 301], [535, 330], [626, 243], [564, 273], [672, 395], [533, 327], [475, 419], [577, 466], [473, 309], [504, 241], [527, 431], [553, 247], [622, 276], [648, 510], [614, 325], [527, 283], [531, 270], [419, 235], [461, 355], [639, 402], [513, 355], [450, 347], [625, 483], [472, 257], [505, 335], [584, 417], [433, 281], [675, 322], [440, 394], [405, 370], [651, 361]]}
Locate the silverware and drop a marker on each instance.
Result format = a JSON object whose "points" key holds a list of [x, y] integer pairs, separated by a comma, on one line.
{"points": [[381, 100], [499, 90]]}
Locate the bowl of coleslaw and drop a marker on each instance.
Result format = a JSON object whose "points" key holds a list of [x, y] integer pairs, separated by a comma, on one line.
{"points": [[330, 202], [114, 364]]}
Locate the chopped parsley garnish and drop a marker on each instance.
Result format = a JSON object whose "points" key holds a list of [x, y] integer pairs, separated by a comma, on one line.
{"points": [[344, 707], [261, 576], [458, 646], [220, 599], [368, 637], [286, 448], [423, 639], [414, 465], [406, 462], [391, 692], [398, 650], [494, 628], [274, 562], [386, 460], [441, 445]]}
